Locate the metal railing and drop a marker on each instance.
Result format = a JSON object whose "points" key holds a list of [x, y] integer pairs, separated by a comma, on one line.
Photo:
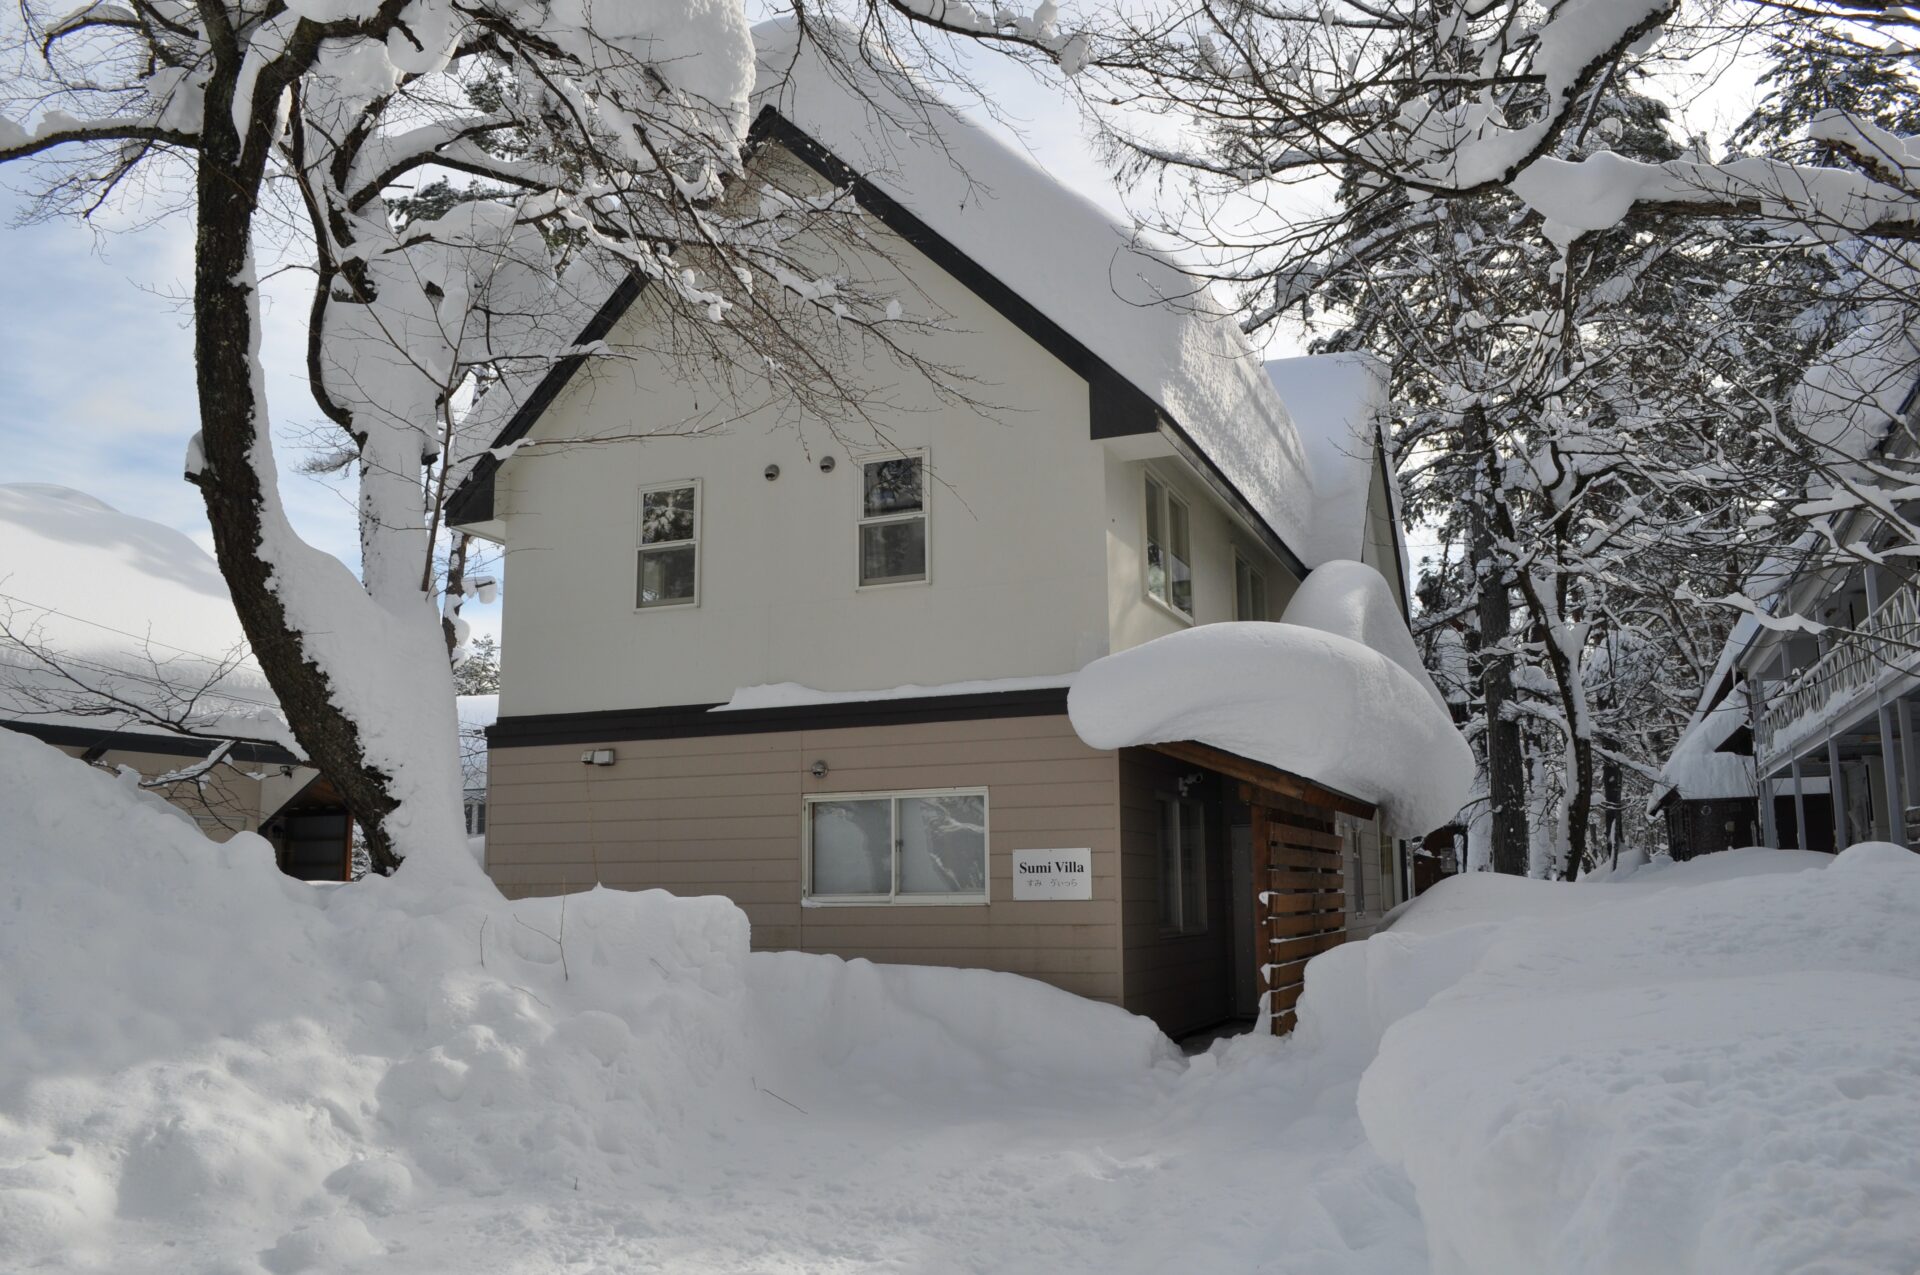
{"points": [[1886, 642]]}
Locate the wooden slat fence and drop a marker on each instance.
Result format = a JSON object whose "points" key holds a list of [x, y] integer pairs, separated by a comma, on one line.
{"points": [[1300, 899]]}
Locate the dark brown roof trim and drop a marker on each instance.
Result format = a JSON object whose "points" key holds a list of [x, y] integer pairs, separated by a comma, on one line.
{"points": [[124, 741], [1116, 406], [692, 721], [1261, 775], [473, 499]]}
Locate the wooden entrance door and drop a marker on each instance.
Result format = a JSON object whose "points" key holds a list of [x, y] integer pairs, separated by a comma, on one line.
{"points": [[1300, 899]]}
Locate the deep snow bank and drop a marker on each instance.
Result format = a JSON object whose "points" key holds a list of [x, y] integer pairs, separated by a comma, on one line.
{"points": [[974, 1026], [1713, 1067], [198, 1052]]}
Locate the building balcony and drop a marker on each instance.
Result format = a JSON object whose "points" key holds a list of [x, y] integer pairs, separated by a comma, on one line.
{"points": [[1879, 659]]}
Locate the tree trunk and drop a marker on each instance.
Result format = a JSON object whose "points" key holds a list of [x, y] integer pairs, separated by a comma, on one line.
{"points": [[456, 589], [1613, 796], [1506, 766], [1563, 658], [236, 478]]}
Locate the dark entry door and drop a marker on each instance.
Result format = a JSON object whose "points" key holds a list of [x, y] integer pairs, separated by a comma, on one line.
{"points": [[316, 847]]}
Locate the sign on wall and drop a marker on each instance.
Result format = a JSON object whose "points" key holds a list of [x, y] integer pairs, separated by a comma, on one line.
{"points": [[1053, 874]]}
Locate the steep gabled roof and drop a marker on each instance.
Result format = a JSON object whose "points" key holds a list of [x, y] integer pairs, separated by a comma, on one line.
{"points": [[1154, 345], [139, 618]]}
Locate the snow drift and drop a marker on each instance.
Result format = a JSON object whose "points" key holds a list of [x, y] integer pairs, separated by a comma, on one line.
{"points": [[201, 1057], [1709, 1067], [1312, 695]]}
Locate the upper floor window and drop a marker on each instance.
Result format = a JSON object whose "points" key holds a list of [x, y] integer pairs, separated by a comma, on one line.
{"points": [[1249, 591], [893, 521], [903, 847], [1169, 548], [669, 567]]}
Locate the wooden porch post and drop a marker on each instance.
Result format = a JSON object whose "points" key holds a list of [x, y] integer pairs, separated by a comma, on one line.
{"points": [[1799, 807], [1837, 791], [1909, 760], [1890, 777]]}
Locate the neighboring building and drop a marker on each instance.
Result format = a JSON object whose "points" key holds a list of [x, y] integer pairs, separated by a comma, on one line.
{"points": [[823, 671], [1829, 715], [477, 714], [1707, 792], [139, 619]]}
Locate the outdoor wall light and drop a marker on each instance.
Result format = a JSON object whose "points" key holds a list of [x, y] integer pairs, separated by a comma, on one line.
{"points": [[826, 464], [818, 770], [772, 472], [597, 757]]}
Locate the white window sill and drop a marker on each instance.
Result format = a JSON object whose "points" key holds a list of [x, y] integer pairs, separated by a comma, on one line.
{"points": [[1169, 609], [905, 901]]}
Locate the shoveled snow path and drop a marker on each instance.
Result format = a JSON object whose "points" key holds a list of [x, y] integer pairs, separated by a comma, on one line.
{"points": [[1218, 1168]]}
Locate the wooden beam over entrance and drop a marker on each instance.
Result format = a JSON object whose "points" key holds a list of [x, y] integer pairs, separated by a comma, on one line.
{"points": [[1262, 775]]}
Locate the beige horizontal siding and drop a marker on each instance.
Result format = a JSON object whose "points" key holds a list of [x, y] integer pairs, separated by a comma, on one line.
{"points": [[723, 815]]}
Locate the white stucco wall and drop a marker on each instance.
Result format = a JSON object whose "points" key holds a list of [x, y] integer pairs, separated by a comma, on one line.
{"points": [[1035, 555], [1132, 615], [1017, 504]]}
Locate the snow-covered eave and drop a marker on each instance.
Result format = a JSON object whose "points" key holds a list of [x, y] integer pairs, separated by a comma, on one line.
{"points": [[1120, 405], [126, 738]]}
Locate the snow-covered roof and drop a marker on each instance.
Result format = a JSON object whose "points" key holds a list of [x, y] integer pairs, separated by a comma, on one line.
{"points": [[1126, 302], [1338, 403], [795, 695], [131, 607], [1700, 768], [1334, 694], [94, 577]]}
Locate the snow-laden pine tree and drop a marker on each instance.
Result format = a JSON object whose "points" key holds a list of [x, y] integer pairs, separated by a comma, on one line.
{"points": [[1612, 367]]}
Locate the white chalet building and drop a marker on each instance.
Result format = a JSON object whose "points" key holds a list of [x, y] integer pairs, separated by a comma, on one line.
{"points": [[823, 671]]}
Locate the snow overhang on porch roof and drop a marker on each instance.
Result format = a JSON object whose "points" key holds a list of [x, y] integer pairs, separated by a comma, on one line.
{"points": [[1158, 353]]}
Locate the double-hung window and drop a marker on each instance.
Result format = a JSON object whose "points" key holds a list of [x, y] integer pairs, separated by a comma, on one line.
{"points": [[1249, 591], [893, 521], [1169, 548], [669, 558], [902, 847], [1183, 865]]}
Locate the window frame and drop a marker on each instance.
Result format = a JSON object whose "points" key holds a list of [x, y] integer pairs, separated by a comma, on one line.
{"points": [[1179, 929], [924, 514], [1242, 562], [894, 898], [641, 547], [1152, 478]]}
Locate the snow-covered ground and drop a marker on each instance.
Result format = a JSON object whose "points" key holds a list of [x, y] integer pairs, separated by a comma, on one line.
{"points": [[205, 1066]]}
